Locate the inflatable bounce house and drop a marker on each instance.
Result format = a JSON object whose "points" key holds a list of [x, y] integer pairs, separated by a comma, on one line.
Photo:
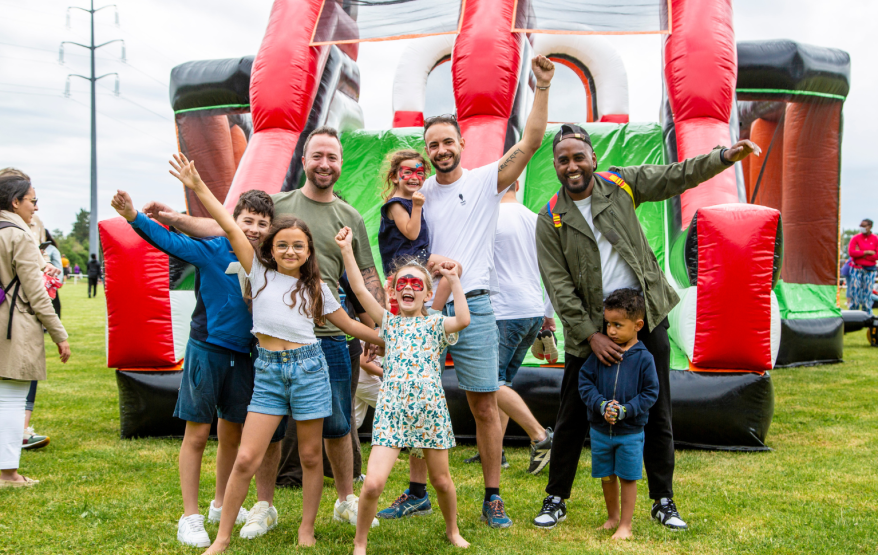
{"points": [[753, 252]]}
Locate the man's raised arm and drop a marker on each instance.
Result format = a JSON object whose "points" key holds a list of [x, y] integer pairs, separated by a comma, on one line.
{"points": [[514, 161], [194, 227]]}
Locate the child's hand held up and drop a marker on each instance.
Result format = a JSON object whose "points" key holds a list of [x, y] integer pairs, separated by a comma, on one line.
{"points": [[345, 238], [449, 270], [123, 205], [418, 199], [185, 171]]}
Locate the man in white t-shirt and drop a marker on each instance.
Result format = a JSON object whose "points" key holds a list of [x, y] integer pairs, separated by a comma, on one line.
{"points": [[461, 208]]}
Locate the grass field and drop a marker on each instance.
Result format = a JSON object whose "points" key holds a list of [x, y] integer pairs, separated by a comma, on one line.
{"points": [[814, 493]]}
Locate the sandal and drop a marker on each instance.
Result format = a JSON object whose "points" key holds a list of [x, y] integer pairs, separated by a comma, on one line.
{"points": [[26, 483]]}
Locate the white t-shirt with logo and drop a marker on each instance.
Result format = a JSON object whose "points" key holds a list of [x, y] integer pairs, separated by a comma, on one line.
{"points": [[615, 273], [462, 218], [520, 294]]}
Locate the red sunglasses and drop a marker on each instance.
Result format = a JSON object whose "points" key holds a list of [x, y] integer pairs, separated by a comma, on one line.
{"points": [[407, 173], [417, 284]]}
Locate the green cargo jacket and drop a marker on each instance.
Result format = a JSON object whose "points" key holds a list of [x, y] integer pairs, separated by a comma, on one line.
{"points": [[569, 260]]}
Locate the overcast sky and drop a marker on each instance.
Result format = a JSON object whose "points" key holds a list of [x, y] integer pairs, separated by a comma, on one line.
{"points": [[47, 135]]}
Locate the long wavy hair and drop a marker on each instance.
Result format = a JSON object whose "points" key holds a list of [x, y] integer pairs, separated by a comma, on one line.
{"points": [[413, 262], [393, 163], [308, 286]]}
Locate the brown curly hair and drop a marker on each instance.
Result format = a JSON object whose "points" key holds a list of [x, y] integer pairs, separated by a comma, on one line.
{"points": [[308, 286], [394, 161]]}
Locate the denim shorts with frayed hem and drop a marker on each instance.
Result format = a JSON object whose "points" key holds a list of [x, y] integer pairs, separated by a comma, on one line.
{"points": [[621, 455], [516, 337], [293, 382], [475, 354]]}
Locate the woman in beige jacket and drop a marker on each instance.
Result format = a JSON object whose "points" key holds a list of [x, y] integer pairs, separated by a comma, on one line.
{"points": [[22, 352]]}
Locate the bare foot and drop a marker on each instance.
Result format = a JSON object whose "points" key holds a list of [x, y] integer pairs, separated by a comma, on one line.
{"points": [[457, 540], [610, 524], [216, 547], [359, 549], [306, 538], [623, 533]]}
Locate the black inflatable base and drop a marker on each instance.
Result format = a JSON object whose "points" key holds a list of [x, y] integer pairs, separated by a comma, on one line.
{"points": [[807, 342], [716, 411]]}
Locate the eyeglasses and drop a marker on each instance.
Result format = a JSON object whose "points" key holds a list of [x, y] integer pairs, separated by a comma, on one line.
{"points": [[418, 172], [298, 248], [416, 284], [34, 200]]}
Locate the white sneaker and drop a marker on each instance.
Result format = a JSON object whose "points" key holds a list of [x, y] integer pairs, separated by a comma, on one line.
{"points": [[214, 515], [190, 531], [260, 520], [346, 511]]}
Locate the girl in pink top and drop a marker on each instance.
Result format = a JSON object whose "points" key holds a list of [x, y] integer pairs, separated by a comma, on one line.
{"points": [[863, 248]]}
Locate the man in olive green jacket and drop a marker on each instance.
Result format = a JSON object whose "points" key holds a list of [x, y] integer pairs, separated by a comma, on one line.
{"points": [[590, 244]]}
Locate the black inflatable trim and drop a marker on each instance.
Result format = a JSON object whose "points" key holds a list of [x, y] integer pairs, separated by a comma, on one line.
{"points": [[807, 342], [856, 320], [146, 404], [786, 65], [220, 85]]}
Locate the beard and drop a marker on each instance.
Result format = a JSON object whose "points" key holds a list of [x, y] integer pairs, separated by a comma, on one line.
{"points": [[577, 189], [311, 175], [455, 161]]}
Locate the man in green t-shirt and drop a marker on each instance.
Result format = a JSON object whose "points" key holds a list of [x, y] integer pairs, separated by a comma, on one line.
{"points": [[324, 214]]}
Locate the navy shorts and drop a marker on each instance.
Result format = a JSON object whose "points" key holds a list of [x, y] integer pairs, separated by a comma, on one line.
{"points": [[216, 381], [621, 455], [335, 350], [516, 337]]}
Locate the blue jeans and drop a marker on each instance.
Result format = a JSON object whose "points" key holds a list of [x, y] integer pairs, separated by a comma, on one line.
{"points": [[516, 337], [475, 354], [335, 349], [620, 455]]}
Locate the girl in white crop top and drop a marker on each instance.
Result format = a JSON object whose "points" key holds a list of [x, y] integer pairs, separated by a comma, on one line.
{"points": [[291, 375]]}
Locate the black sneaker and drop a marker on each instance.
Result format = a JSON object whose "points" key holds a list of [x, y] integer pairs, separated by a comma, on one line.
{"points": [[665, 511], [539, 453], [554, 511], [478, 459]]}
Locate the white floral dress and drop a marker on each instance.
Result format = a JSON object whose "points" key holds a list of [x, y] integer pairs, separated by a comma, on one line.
{"points": [[411, 409]]}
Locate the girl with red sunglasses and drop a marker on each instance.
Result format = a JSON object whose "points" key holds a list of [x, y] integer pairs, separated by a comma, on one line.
{"points": [[411, 410], [403, 233]]}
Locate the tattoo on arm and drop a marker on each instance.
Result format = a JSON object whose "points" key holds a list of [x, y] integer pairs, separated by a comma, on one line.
{"points": [[509, 159], [373, 284]]}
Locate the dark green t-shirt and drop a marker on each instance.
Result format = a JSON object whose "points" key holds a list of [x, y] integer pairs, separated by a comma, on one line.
{"points": [[325, 219]]}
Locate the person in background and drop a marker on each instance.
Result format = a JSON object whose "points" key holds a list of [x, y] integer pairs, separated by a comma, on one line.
{"points": [[76, 269], [94, 273], [368, 386], [862, 248], [22, 350]]}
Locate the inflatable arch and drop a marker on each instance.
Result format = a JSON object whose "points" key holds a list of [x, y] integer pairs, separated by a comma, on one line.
{"points": [[726, 257]]}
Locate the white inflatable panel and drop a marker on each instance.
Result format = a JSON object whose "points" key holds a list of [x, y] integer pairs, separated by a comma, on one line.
{"points": [[415, 65], [345, 113], [603, 62], [682, 320], [775, 328], [182, 305]]}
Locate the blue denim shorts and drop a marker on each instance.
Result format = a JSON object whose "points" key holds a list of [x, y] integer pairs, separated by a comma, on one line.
{"points": [[216, 381], [475, 354], [338, 358], [621, 455], [293, 382], [516, 337]]}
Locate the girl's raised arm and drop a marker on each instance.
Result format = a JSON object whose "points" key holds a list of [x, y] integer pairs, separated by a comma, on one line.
{"points": [[460, 319], [185, 171], [344, 239]]}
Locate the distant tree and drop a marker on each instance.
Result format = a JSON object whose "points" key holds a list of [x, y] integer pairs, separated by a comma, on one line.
{"points": [[75, 251], [80, 227], [846, 237]]}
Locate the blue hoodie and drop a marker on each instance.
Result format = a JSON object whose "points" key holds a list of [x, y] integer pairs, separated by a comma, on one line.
{"points": [[221, 316], [637, 389]]}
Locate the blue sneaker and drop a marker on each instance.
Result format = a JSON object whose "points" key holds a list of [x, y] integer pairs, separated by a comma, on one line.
{"points": [[407, 505], [494, 513]]}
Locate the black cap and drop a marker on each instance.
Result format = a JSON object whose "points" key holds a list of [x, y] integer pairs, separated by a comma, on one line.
{"points": [[570, 131]]}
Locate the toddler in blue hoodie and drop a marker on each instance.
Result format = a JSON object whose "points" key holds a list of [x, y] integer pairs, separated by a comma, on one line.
{"points": [[618, 399]]}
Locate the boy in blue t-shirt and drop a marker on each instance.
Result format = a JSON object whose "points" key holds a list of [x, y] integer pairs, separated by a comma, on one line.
{"points": [[618, 399], [218, 366]]}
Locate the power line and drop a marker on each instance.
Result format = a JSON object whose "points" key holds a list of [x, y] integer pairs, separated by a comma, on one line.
{"points": [[125, 98]]}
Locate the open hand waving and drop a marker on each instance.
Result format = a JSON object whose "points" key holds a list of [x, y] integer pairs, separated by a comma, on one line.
{"points": [[185, 171]]}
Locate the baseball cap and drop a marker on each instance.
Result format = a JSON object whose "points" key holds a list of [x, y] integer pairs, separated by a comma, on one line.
{"points": [[571, 131]]}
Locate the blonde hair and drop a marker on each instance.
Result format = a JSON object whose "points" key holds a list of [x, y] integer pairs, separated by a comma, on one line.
{"points": [[393, 162], [413, 262]]}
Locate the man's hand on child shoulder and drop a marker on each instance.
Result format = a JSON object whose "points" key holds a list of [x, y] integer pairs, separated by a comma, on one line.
{"points": [[122, 204], [185, 171], [345, 238]]}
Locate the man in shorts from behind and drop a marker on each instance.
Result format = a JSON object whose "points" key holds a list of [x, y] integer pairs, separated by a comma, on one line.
{"points": [[218, 366], [324, 214], [462, 208]]}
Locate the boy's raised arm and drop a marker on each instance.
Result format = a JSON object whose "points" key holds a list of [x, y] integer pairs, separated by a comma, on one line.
{"points": [[185, 171]]}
